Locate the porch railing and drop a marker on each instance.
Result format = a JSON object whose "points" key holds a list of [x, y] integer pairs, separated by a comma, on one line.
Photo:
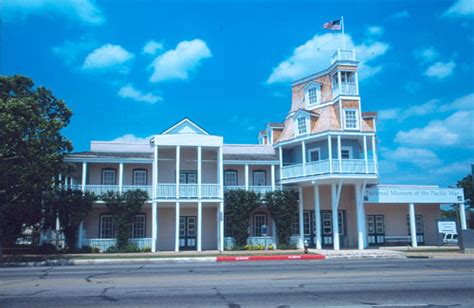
{"points": [[347, 166], [345, 88], [168, 191]]}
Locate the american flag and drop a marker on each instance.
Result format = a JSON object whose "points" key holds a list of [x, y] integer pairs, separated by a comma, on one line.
{"points": [[333, 25]]}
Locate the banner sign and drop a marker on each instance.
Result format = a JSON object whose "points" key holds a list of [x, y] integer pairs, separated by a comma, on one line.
{"points": [[394, 194]]}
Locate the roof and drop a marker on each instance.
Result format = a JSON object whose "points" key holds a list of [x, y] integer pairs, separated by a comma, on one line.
{"points": [[369, 114], [249, 152], [88, 154], [276, 125]]}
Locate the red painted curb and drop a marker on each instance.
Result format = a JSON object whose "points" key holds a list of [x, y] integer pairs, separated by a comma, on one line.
{"points": [[270, 258]]}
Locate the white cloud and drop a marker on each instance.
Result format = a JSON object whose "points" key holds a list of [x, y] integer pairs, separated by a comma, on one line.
{"points": [[399, 15], [414, 156], [70, 51], [314, 56], [461, 8], [465, 102], [83, 10], [108, 57], [179, 62], [426, 55], [151, 47], [375, 30], [129, 91], [131, 138], [441, 70], [457, 130]]}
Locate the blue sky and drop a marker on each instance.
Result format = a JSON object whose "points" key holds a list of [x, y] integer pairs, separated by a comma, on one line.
{"points": [[129, 69]]}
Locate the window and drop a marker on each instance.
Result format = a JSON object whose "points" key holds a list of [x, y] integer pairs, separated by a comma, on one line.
{"points": [[230, 178], [259, 178], [314, 155], [137, 229], [418, 223], [108, 177], [351, 119], [107, 229], [301, 125], [188, 177], [346, 153], [307, 222], [140, 177], [335, 81], [258, 221]]}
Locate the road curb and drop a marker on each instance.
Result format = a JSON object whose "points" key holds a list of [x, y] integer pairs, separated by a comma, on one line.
{"points": [[270, 258]]}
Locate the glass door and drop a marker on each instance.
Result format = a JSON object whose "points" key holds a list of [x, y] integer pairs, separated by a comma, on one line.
{"points": [[187, 232], [376, 229]]}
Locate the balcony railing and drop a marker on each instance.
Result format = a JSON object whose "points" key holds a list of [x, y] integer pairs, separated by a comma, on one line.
{"points": [[347, 166], [345, 88], [147, 188], [259, 189], [102, 189], [343, 55], [189, 191]]}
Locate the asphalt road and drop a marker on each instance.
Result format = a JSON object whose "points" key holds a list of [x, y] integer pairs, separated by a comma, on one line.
{"points": [[270, 284]]}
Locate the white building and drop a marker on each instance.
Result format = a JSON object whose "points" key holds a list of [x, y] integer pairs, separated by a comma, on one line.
{"points": [[326, 149]]}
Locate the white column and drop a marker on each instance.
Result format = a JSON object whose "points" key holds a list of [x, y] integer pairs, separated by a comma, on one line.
{"points": [[330, 153], [339, 81], [154, 184], [374, 153], [246, 177], [176, 235], [360, 213], [178, 158], [462, 216], [220, 170], [199, 172], [339, 155], [281, 164], [356, 81], [221, 226], [120, 177], [273, 177], [84, 176], [154, 225], [301, 220], [335, 221], [199, 226], [411, 208], [317, 216], [365, 155], [303, 157]]}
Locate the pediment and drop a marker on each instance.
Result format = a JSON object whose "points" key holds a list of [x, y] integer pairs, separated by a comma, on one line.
{"points": [[185, 126]]}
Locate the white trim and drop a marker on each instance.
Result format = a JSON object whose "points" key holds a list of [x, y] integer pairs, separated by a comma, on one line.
{"points": [[185, 120], [324, 134], [251, 162]]}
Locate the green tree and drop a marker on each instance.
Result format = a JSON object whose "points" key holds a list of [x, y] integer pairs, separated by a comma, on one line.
{"points": [[239, 205], [71, 207], [283, 206], [124, 207], [32, 149]]}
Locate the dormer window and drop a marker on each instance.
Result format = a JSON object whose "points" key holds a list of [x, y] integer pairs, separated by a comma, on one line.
{"points": [[302, 126], [351, 118], [313, 95]]}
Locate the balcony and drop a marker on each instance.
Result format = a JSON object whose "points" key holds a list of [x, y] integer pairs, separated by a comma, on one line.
{"points": [[187, 191], [258, 189], [347, 167], [345, 88], [343, 55]]}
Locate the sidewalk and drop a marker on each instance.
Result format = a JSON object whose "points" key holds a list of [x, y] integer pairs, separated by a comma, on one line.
{"points": [[432, 252]]}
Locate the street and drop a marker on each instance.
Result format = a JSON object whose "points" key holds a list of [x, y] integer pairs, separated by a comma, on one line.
{"points": [[265, 284]]}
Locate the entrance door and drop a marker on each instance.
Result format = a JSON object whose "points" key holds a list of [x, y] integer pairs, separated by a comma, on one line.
{"points": [[326, 226], [309, 227], [376, 229], [187, 232]]}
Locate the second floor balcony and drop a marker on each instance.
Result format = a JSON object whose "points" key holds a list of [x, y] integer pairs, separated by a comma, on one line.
{"points": [[347, 166]]}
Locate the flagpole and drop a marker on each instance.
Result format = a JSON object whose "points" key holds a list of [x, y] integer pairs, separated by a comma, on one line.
{"points": [[343, 36]]}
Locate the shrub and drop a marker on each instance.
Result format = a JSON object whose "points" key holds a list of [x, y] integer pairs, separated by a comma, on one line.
{"points": [[95, 250], [270, 247], [146, 249]]}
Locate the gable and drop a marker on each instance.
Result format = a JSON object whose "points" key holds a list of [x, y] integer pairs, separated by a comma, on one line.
{"points": [[185, 126]]}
